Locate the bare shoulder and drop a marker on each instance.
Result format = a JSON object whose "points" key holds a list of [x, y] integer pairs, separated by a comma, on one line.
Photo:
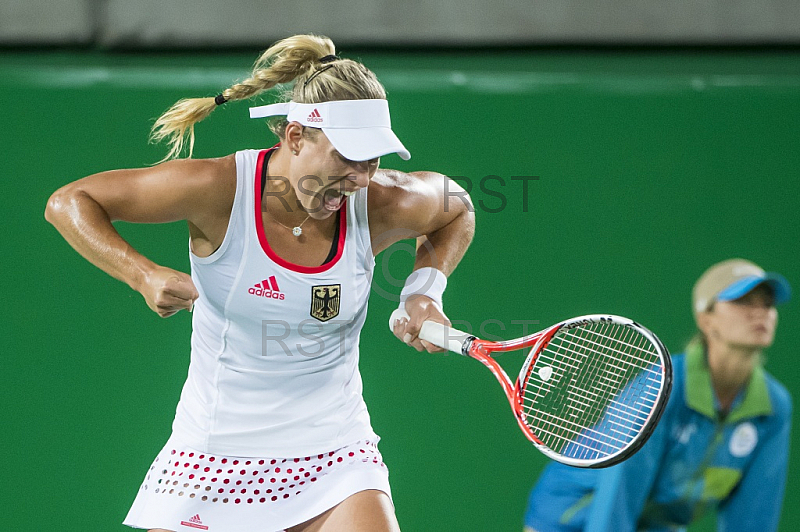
{"points": [[213, 188], [407, 180], [219, 175], [405, 205], [216, 176], [387, 181], [393, 190]]}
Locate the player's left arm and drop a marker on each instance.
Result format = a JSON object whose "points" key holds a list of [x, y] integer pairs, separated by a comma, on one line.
{"points": [[756, 503], [438, 213]]}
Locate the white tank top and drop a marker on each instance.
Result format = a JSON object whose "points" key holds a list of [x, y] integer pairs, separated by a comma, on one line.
{"points": [[274, 359]]}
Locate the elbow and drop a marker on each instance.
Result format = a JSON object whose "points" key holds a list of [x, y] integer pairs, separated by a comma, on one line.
{"points": [[468, 225], [457, 198], [59, 203], [54, 206], [463, 205]]}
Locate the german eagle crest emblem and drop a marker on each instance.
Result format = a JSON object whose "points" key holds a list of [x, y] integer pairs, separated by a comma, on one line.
{"points": [[325, 301]]}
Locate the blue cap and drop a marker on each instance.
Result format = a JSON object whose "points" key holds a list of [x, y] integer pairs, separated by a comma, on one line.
{"points": [[732, 279], [780, 287]]}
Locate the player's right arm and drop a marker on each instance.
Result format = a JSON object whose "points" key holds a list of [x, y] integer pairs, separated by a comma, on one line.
{"points": [[199, 191]]}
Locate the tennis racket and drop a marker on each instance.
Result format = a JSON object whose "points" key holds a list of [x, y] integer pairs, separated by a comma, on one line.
{"points": [[591, 390]]}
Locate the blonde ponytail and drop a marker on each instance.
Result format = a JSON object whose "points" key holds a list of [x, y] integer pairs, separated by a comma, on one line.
{"points": [[283, 62], [177, 124]]}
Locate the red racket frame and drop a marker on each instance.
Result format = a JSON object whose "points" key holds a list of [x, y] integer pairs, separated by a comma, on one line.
{"points": [[480, 350]]}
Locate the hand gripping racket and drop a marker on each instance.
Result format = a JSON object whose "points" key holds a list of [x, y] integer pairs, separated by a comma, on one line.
{"points": [[590, 392]]}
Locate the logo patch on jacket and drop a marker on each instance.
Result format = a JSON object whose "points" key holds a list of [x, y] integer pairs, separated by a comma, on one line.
{"points": [[325, 301], [743, 439]]}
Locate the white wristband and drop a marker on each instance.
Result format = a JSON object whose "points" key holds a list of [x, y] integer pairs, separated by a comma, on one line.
{"points": [[428, 282]]}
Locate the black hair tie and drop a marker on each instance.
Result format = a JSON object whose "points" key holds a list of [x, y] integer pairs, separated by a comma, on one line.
{"points": [[220, 99], [322, 60], [315, 74]]}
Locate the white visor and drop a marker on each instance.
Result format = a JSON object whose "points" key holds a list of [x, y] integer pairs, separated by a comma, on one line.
{"points": [[359, 129]]}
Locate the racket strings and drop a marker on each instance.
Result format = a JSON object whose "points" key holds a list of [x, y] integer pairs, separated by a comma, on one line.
{"points": [[600, 389], [614, 378], [568, 418]]}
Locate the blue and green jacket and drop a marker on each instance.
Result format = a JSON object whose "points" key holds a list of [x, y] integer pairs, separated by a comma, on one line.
{"points": [[695, 460]]}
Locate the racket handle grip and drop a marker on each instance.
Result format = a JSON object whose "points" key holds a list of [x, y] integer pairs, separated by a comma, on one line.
{"points": [[436, 333]]}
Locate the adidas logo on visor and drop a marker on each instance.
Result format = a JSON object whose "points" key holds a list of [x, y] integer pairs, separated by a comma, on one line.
{"points": [[314, 116]]}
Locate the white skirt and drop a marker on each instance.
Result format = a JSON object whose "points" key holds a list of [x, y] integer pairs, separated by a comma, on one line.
{"points": [[187, 490]]}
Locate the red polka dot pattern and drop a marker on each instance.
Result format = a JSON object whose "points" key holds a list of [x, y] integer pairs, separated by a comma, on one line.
{"points": [[183, 473]]}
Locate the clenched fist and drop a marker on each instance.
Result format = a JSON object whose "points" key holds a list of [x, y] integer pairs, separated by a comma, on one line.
{"points": [[167, 291]]}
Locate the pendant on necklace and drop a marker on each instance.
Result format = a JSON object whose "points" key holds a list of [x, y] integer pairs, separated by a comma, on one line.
{"points": [[297, 231]]}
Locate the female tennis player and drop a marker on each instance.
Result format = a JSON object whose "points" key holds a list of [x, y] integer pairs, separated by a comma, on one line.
{"points": [[271, 431], [722, 443]]}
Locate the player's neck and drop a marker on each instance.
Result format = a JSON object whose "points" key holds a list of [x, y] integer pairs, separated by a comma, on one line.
{"points": [[279, 200], [730, 367], [278, 186]]}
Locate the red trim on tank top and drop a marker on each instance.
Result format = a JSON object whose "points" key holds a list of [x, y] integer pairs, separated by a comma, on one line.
{"points": [[262, 237]]}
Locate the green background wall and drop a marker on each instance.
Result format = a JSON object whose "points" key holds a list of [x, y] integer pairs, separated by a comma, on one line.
{"points": [[651, 165]]}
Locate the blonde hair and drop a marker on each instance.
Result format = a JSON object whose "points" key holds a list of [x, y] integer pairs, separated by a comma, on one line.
{"points": [[294, 59]]}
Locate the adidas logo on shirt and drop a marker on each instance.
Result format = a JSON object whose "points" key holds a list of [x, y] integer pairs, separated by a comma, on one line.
{"points": [[267, 288]]}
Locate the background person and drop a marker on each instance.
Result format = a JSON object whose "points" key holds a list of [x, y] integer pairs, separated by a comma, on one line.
{"points": [[722, 443]]}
